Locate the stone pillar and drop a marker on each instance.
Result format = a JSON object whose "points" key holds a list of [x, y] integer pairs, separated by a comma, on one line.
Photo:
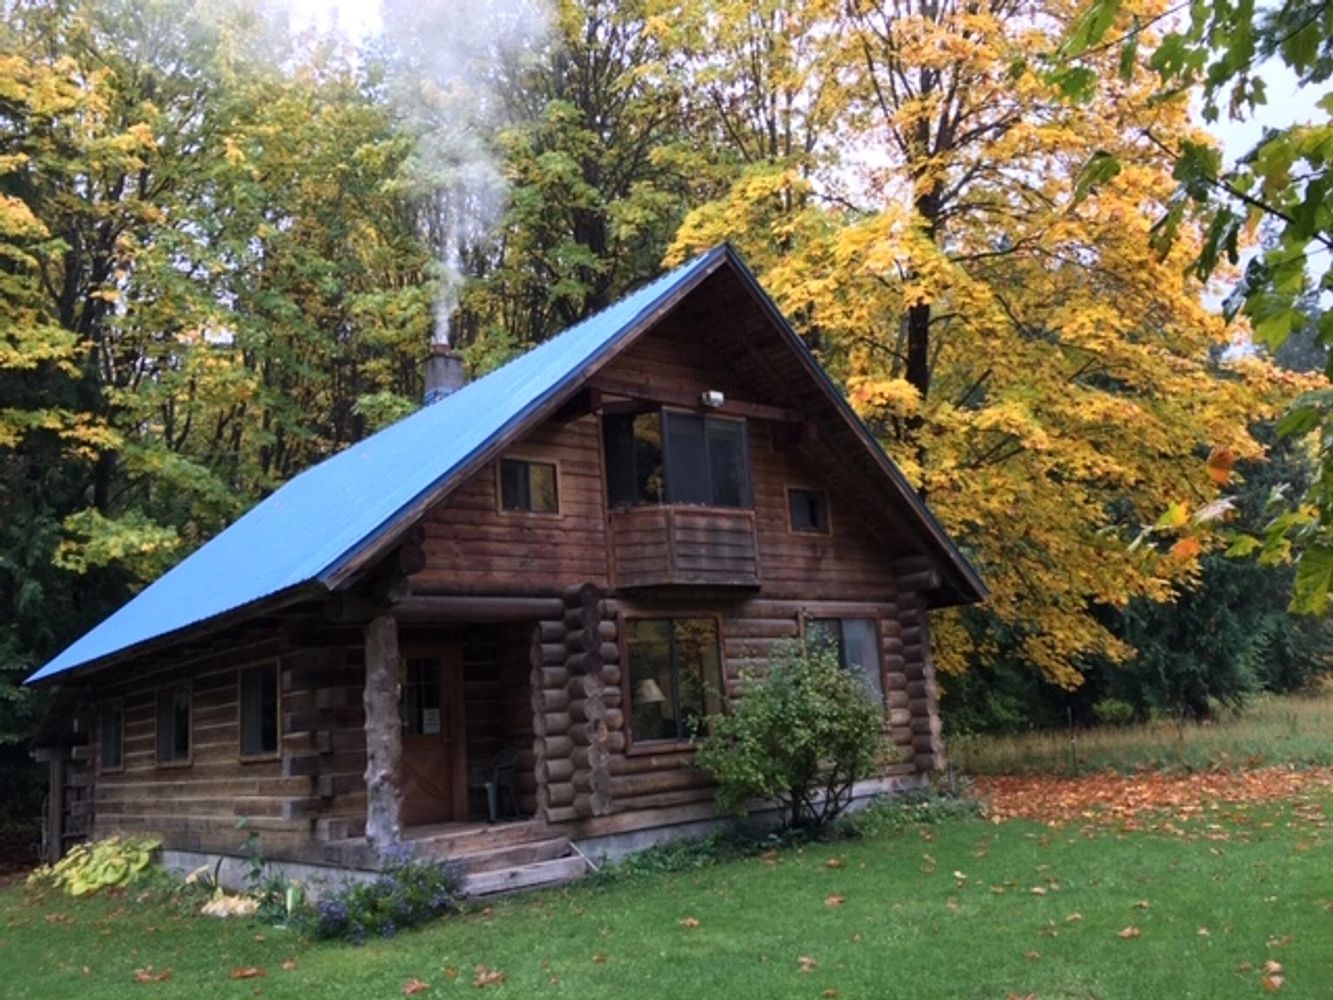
{"points": [[384, 735]]}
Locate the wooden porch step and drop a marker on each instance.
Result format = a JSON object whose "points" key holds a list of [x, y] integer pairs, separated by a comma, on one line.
{"points": [[542, 873], [453, 843], [514, 855]]}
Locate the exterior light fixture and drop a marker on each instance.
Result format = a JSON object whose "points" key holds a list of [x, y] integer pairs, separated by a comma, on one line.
{"points": [[712, 398]]}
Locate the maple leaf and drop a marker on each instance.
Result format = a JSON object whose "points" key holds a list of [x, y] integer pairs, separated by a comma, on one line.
{"points": [[1073, 918], [1032, 956], [490, 977], [832, 991], [414, 986], [1220, 461], [1129, 932], [1142, 904], [289, 965], [835, 900], [247, 972], [599, 959], [1272, 982], [835, 863], [1038, 890], [147, 975], [690, 922], [807, 963]]}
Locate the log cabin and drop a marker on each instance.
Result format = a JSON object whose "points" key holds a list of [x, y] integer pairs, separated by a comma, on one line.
{"points": [[491, 630]]}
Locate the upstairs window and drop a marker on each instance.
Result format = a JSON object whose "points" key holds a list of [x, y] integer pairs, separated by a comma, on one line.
{"points": [[259, 711], [677, 458], [856, 641], [528, 487], [111, 732], [173, 724], [808, 511]]}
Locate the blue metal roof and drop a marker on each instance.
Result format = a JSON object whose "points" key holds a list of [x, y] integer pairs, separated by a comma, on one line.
{"points": [[304, 532]]}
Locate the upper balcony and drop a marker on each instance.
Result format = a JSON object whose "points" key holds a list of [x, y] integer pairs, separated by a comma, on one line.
{"points": [[683, 546]]}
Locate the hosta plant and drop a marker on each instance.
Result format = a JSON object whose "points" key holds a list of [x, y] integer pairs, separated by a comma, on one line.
{"points": [[102, 864]]}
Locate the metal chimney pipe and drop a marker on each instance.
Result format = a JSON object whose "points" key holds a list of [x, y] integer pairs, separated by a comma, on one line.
{"points": [[445, 373]]}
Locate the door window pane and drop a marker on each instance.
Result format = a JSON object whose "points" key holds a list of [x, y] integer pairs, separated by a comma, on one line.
{"points": [[420, 704]]}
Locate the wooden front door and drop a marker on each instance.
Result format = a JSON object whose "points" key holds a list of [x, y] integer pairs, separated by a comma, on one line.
{"points": [[434, 785]]}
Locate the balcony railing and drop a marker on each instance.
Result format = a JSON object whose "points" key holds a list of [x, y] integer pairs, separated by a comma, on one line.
{"points": [[667, 546]]}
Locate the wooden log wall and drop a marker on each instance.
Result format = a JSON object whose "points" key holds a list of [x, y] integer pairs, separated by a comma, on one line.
{"points": [[499, 705], [195, 805], [922, 691]]}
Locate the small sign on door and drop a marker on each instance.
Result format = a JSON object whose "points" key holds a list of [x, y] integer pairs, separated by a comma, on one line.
{"points": [[430, 721]]}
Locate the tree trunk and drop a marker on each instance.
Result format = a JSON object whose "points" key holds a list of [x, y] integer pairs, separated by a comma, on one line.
{"points": [[384, 739]]}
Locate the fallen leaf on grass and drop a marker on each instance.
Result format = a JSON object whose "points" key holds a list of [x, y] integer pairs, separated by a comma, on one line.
{"points": [[149, 976], [1142, 904], [247, 972], [690, 922], [835, 863], [1278, 942], [414, 986], [1038, 890], [490, 977], [1032, 956], [1129, 932], [1073, 918], [1272, 982], [599, 959], [769, 857], [831, 992], [1272, 968], [807, 964], [451, 972], [835, 900]]}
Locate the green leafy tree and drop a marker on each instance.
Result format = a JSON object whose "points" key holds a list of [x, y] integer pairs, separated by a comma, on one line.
{"points": [[803, 734]]}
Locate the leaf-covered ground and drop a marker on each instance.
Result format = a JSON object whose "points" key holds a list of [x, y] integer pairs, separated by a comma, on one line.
{"points": [[1229, 899]]}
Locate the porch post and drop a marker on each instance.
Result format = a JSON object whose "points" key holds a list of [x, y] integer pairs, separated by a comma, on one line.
{"points": [[384, 738]]}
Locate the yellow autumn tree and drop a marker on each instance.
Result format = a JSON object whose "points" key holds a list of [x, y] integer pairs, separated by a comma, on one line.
{"points": [[955, 249]]}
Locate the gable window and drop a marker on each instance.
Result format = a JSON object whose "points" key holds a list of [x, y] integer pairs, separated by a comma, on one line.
{"points": [[173, 724], [259, 710], [674, 457], [808, 511], [111, 735], [675, 675], [856, 641], [528, 486]]}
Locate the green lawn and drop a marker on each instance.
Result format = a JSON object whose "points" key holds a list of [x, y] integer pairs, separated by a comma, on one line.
{"points": [[961, 909]]}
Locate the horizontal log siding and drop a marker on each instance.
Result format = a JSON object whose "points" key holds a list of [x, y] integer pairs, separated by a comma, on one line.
{"points": [[196, 805], [473, 547]]}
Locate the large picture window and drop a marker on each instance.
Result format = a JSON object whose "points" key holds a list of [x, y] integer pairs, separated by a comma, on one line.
{"points": [[173, 724], [675, 674], [678, 458], [857, 643], [259, 711]]}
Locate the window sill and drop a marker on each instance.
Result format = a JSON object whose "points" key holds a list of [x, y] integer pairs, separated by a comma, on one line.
{"points": [[259, 758], [186, 762]]}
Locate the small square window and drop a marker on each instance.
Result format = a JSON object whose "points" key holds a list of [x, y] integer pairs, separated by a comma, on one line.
{"points": [[111, 735], [259, 710], [529, 487], [173, 724], [808, 510]]}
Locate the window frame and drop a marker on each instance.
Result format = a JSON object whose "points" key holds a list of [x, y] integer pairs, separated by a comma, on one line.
{"points": [[827, 530], [117, 704], [664, 413], [276, 752], [641, 748], [527, 459], [188, 759]]}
